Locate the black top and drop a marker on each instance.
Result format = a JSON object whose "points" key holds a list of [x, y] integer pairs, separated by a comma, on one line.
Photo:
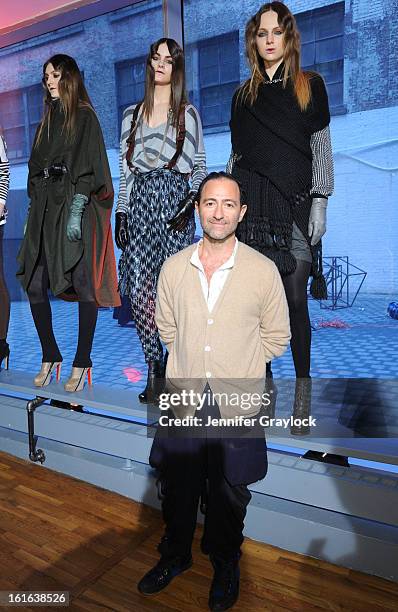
{"points": [[273, 136]]}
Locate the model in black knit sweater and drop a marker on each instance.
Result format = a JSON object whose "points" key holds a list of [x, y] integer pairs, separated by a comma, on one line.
{"points": [[281, 154]]}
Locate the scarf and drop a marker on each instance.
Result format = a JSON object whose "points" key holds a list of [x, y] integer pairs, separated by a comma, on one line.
{"points": [[271, 143]]}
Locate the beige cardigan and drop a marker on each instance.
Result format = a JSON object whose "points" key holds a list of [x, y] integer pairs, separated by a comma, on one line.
{"points": [[229, 347]]}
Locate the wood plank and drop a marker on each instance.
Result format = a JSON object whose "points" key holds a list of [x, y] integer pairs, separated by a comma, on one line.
{"points": [[58, 533]]}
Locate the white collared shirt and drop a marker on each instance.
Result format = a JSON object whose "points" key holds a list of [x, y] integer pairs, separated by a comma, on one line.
{"points": [[212, 292]]}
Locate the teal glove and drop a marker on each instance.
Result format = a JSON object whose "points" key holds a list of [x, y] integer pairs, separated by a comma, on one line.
{"points": [[74, 225]]}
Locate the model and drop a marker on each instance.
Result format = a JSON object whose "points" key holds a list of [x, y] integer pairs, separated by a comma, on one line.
{"points": [[162, 163], [282, 156], [68, 245]]}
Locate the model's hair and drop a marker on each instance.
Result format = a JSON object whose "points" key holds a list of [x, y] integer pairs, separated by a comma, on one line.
{"points": [[291, 55], [72, 95], [178, 95], [213, 176]]}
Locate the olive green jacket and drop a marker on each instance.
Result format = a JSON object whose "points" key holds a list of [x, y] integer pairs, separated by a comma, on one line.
{"points": [[88, 174]]}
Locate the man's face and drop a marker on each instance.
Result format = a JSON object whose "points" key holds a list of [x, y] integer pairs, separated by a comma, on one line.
{"points": [[220, 209]]}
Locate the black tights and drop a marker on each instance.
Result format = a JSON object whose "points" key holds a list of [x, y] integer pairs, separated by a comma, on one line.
{"points": [[296, 294], [42, 315], [4, 296]]}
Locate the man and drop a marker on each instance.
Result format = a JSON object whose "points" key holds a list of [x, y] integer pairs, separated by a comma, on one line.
{"points": [[222, 313]]}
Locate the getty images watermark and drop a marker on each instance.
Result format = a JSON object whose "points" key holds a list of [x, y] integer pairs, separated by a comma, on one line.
{"points": [[185, 399]]}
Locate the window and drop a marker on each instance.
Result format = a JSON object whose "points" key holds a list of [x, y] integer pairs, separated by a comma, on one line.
{"points": [[212, 68], [322, 36], [20, 113], [130, 83]]}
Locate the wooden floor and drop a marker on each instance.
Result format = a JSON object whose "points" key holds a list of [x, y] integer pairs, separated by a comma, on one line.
{"points": [[58, 533]]}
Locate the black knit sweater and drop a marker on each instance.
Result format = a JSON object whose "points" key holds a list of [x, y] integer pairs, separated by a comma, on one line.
{"points": [[271, 142], [273, 136]]}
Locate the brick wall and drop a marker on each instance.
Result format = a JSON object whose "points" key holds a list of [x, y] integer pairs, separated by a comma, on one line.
{"points": [[96, 44], [363, 215]]}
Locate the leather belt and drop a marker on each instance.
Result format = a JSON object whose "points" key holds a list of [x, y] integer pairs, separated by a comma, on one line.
{"points": [[54, 170]]}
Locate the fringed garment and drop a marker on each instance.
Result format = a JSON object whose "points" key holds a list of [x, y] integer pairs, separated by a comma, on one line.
{"points": [[271, 144]]}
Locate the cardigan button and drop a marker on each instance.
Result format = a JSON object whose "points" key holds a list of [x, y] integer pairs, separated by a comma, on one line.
{"points": [[207, 349], [208, 374], [210, 321]]}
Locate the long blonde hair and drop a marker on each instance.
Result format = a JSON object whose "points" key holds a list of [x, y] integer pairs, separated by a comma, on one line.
{"points": [[291, 56], [72, 94]]}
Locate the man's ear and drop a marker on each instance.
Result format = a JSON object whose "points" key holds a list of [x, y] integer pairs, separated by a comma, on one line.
{"points": [[243, 210]]}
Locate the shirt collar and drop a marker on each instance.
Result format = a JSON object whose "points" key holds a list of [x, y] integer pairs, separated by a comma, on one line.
{"points": [[195, 260], [278, 73]]}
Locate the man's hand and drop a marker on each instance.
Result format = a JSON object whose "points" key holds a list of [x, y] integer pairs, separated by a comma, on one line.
{"points": [[2, 207], [317, 221], [185, 212]]}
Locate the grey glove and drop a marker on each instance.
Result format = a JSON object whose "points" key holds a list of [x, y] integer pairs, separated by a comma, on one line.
{"points": [[74, 225], [317, 221]]}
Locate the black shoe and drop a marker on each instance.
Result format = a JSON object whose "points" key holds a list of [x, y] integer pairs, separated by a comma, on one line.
{"points": [[302, 406], [224, 590], [163, 573], [154, 383], [4, 354]]}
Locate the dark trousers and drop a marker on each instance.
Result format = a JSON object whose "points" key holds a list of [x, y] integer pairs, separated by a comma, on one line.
{"points": [[42, 315], [182, 484], [190, 465]]}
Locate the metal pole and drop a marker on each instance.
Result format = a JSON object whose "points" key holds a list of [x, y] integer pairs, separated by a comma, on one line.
{"points": [[173, 16], [34, 455]]}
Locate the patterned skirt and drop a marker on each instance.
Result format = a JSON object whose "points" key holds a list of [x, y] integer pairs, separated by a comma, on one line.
{"points": [[154, 200]]}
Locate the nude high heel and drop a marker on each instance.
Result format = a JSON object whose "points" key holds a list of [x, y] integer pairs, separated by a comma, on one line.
{"points": [[44, 376], [77, 379]]}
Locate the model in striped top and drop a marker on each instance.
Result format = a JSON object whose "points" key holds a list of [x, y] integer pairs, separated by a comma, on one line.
{"points": [[192, 160], [4, 295], [162, 163]]}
